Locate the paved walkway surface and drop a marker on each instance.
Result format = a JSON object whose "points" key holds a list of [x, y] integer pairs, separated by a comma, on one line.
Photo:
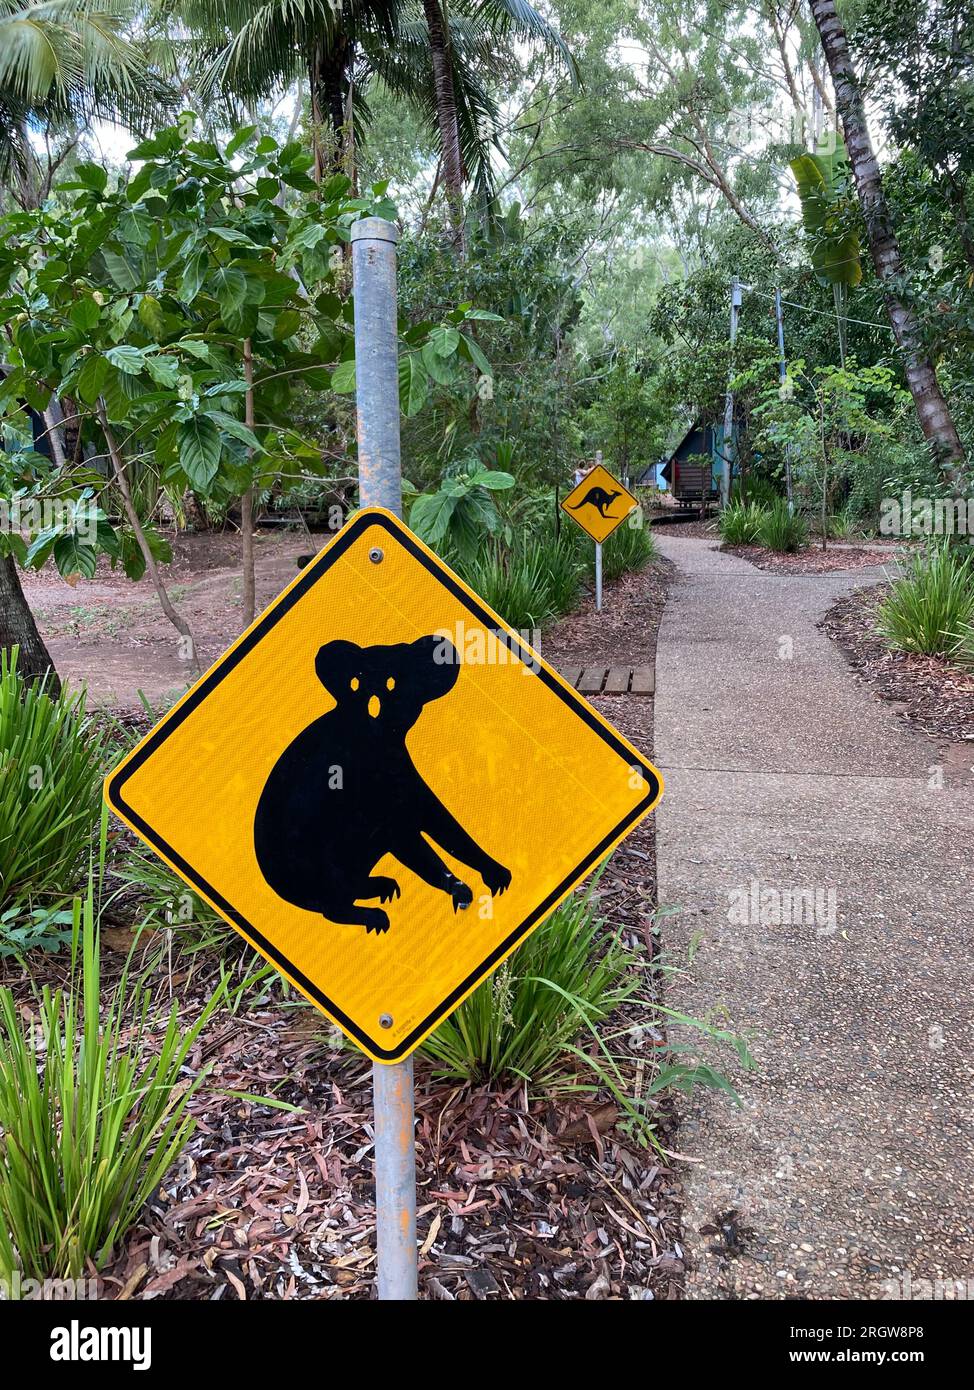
{"points": [[850, 1164]]}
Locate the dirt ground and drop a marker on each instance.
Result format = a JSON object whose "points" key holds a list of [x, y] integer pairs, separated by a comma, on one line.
{"points": [[111, 634]]}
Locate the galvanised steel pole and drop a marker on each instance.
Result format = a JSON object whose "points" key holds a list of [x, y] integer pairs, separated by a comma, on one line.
{"points": [[598, 578], [380, 485], [376, 363]]}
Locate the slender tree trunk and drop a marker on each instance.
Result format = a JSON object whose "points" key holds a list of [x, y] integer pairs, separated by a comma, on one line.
{"points": [[248, 597], [18, 629], [128, 506], [326, 80], [446, 115], [931, 407]]}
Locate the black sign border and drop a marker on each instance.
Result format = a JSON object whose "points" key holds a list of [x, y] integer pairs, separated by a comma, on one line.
{"points": [[314, 572]]}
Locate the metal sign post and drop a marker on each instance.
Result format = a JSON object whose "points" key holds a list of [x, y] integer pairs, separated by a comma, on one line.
{"points": [[380, 485], [598, 576]]}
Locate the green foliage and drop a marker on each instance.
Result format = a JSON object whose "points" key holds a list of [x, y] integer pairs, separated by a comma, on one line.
{"points": [[740, 523], [461, 514], [781, 530], [829, 213], [529, 583], [525, 1021], [156, 303], [50, 791], [94, 1093], [630, 547], [931, 608]]}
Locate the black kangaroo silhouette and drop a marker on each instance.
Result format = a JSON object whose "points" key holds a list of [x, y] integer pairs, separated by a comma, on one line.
{"points": [[598, 498], [346, 792]]}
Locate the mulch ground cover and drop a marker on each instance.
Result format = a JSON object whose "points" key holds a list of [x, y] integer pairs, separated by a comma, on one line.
{"points": [[933, 695], [812, 559], [520, 1196]]}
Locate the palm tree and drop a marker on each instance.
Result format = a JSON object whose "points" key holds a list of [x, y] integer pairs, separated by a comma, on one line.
{"points": [[486, 23], [424, 54], [62, 64], [932, 410]]}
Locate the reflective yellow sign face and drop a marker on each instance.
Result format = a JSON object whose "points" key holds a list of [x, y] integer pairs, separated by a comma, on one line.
{"points": [[599, 503], [382, 787]]}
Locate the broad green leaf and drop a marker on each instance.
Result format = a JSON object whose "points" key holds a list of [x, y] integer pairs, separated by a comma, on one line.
{"points": [[240, 139], [126, 358], [91, 378], [472, 350], [163, 370], [413, 384], [152, 315], [74, 556], [493, 479], [120, 270], [343, 377], [230, 288], [84, 314], [199, 451]]}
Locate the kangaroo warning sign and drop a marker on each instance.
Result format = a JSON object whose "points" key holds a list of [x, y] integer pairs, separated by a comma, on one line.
{"points": [[599, 503], [382, 786]]}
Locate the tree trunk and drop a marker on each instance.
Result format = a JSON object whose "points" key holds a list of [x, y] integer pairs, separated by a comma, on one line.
{"points": [[446, 116], [188, 646], [931, 407], [326, 79], [248, 600], [18, 629]]}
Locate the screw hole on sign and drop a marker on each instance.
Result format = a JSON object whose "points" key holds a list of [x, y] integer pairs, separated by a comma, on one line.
{"points": [[385, 1020], [376, 556]]}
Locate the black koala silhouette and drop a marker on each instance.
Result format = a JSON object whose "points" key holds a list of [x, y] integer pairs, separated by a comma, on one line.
{"points": [[598, 498], [346, 792]]}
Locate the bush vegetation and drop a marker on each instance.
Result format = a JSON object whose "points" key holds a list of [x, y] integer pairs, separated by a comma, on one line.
{"points": [[51, 765], [93, 1111], [931, 608]]}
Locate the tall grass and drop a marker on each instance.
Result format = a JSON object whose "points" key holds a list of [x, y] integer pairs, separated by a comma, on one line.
{"points": [[740, 523], [525, 1021], [50, 781], [931, 607], [93, 1111], [782, 530], [630, 547], [532, 582]]}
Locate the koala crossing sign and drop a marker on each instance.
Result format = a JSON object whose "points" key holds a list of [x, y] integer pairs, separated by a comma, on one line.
{"points": [[382, 786], [599, 503]]}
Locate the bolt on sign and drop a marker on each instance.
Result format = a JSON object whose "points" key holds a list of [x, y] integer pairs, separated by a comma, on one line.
{"points": [[599, 503], [382, 787]]}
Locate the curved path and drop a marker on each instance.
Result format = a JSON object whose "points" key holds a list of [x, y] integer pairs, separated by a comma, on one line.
{"points": [[850, 1164]]}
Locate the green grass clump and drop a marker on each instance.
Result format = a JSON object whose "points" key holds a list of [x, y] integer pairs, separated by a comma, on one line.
{"points": [[740, 523], [529, 584], [782, 530], [51, 761], [526, 1020], [931, 608], [630, 547], [93, 1112]]}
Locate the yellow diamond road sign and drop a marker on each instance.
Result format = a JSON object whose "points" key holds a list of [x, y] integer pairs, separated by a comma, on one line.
{"points": [[382, 787], [599, 503]]}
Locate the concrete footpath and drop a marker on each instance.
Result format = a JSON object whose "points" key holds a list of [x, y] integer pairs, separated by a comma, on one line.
{"points": [[849, 1166]]}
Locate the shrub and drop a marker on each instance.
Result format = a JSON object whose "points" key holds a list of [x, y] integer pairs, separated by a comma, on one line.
{"points": [[50, 789], [529, 584], [782, 530], [740, 523], [524, 1021], [93, 1111], [630, 547], [931, 608]]}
